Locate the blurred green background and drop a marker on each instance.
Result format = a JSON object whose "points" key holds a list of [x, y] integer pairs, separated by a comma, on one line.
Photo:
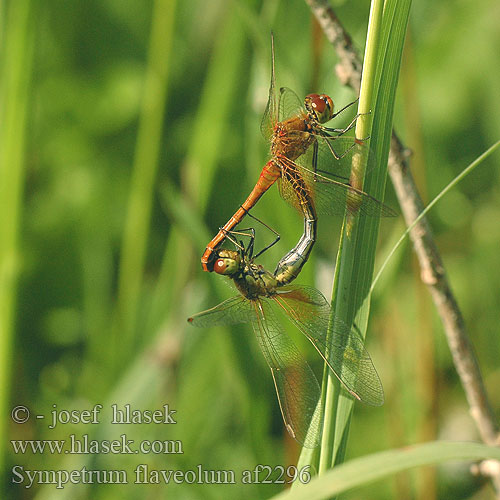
{"points": [[130, 133]]}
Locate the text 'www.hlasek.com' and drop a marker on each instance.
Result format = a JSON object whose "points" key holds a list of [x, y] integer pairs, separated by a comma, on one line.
{"points": [[91, 443]]}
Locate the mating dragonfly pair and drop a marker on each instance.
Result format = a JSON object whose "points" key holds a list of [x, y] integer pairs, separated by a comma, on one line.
{"points": [[311, 164]]}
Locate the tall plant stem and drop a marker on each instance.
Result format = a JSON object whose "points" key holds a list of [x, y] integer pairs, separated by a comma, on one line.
{"points": [[16, 62], [135, 236], [355, 247], [432, 268]]}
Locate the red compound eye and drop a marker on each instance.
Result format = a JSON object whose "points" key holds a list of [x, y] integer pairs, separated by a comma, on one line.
{"points": [[318, 103], [321, 106], [220, 266], [328, 103]]}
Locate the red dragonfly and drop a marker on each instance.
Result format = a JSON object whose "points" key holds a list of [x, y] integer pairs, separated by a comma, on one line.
{"points": [[311, 161], [260, 301]]}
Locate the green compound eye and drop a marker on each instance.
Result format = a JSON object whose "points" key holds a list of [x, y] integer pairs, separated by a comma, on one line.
{"points": [[225, 266]]}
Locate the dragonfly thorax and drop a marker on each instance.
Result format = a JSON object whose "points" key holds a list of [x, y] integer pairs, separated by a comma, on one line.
{"points": [[250, 279], [291, 138], [255, 282]]}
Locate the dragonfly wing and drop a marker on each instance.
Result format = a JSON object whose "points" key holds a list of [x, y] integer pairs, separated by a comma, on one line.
{"points": [[232, 311], [296, 385], [271, 113], [332, 193], [344, 353], [292, 187], [330, 197], [335, 154], [290, 104]]}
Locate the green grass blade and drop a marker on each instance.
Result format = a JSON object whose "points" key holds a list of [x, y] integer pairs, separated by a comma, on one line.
{"points": [[351, 300], [16, 61], [209, 130], [139, 386], [361, 471], [426, 210], [343, 298], [135, 237], [217, 101]]}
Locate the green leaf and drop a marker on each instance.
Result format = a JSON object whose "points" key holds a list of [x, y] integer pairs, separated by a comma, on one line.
{"points": [[361, 471], [16, 64], [355, 260]]}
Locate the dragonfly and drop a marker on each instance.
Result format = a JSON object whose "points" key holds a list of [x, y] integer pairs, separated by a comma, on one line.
{"points": [[260, 302], [311, 162]]}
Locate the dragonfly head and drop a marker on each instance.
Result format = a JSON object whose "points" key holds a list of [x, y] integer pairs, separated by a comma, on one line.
{"points": [[227, 263], [319, 107]]}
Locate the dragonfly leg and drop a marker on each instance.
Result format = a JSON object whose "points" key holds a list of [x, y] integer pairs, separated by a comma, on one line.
{"points": [[244, 232], [342, 131], [335, 155], [278, 236], [344, 108], [248, 233], [340, 156]]}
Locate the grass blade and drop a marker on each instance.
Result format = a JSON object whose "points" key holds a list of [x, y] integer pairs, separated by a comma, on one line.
{"points": [[424, 212], [361, 471], [135, 237], [16, 70], [351, 299]]}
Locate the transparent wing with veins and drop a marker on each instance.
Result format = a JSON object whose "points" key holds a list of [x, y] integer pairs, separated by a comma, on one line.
{"points": [[289, 105], [296, 385], [232, 311], [333, 157], [270, 117], [331, 196], [293, 187], [344, 353]]}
